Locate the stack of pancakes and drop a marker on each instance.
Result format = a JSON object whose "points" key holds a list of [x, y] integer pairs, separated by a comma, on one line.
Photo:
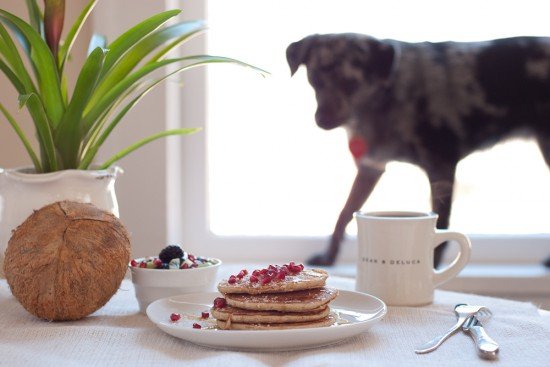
{"points": [[300, 300]]}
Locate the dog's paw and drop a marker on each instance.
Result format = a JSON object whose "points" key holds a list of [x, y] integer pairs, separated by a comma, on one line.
{"points": [[322, 259]]}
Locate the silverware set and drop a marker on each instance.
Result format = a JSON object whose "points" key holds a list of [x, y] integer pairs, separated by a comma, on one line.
{"points": [[469, 319]]}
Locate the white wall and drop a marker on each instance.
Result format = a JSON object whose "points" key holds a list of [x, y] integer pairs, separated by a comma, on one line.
{"points": [[141, 190]]}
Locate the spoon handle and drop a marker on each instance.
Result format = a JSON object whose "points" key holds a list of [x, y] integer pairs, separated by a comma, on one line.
{"points": [[438, 340], [487, 348]]}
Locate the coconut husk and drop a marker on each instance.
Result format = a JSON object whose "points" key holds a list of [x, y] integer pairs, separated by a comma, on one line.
{"points": [[67, 260]]}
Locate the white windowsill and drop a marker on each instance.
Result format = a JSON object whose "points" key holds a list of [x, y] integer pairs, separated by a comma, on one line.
{"points": [[525, 282]]}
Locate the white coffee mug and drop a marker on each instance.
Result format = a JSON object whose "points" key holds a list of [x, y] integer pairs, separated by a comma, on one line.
{"points": [[396, 256]]}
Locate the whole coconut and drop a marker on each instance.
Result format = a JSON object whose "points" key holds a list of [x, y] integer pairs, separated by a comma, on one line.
{"points": [[67, 260]]}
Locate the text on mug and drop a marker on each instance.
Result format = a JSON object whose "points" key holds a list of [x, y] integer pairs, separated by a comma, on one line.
{"points": [[390, 262]]}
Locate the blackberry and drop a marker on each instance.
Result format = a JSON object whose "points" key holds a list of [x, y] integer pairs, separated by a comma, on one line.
{"points": [[170, 252]]}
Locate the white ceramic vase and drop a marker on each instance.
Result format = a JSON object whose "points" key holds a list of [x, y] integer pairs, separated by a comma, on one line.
{"points": [[22, 191]]}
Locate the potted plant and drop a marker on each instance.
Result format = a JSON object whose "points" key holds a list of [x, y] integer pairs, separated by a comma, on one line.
{"points": [[71, 126]]}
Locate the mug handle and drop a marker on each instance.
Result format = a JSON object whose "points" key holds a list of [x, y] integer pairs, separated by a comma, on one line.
{"points": [[451, 271]]}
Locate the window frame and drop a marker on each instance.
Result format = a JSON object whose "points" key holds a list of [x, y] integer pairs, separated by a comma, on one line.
{"points": [[163, 194], [187, 191]]}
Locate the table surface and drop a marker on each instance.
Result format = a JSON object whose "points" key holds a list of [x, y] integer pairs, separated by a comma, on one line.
{"points": [[119, 335]]}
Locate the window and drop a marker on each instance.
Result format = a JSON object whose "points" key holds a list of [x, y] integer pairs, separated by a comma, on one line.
{"points": [[267, 176]]}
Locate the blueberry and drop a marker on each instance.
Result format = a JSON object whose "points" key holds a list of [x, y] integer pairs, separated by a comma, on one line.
{"points": [[170, 252]]}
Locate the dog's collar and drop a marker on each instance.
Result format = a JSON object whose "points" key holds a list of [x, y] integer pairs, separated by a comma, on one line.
{"points": [[358, 146], [359, 150]]}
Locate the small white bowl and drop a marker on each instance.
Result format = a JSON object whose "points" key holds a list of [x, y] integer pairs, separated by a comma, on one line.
{"points": [[153, 284]]}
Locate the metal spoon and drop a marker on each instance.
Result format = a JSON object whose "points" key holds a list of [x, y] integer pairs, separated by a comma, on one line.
{"points": [[463, 312], [487, 348]]}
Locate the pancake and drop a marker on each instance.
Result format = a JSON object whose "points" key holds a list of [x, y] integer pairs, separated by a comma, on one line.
{"points": [[327, 321], [239, 315], [306, 279], [298, 301]]}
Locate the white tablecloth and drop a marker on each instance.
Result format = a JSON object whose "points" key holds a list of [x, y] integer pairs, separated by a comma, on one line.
{"points": [[118, 335]]}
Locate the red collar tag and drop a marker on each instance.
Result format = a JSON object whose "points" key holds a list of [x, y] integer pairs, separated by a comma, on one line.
{"points": [[358, 147]]}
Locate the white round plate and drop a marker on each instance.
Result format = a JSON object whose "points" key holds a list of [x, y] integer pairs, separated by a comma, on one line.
{"points": [[356, 312]]}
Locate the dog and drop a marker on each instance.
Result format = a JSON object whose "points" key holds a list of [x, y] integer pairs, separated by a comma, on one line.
{"points": [[429, 104]]}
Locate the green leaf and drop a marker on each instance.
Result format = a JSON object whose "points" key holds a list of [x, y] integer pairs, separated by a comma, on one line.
{"points": [[64, 89], [93, 134], [35, 16], [68, 136], [21, 39], [12, 77], [46, 68], [54, 17], [40, 119], [178, 41], [124, 152], [65, 49], [95, 145], [23, 138], [140, 50], [93, 111], [9, 51], [129, 38]]}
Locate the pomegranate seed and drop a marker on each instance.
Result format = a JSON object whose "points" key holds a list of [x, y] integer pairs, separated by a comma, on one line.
{"points": [[175, 317], [133, 262], [232, 280], [205, 315], [263, 271], [284, 269], [301, 266], [184, 266], [256, 273], [196, 326], [157, 263], [240, 275], [271, 267], [280, 276], [191, 257], [266, 280], [244, 271], [219, 302], [143, 264], [294, 268], [253, 279]]}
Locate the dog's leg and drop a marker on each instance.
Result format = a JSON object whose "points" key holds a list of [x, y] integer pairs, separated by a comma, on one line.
{"points": [[544, 145], [442, 182], [364, 183]]}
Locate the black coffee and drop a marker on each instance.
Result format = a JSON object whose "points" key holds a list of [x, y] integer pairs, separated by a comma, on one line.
{"points": [[397, 214]]}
